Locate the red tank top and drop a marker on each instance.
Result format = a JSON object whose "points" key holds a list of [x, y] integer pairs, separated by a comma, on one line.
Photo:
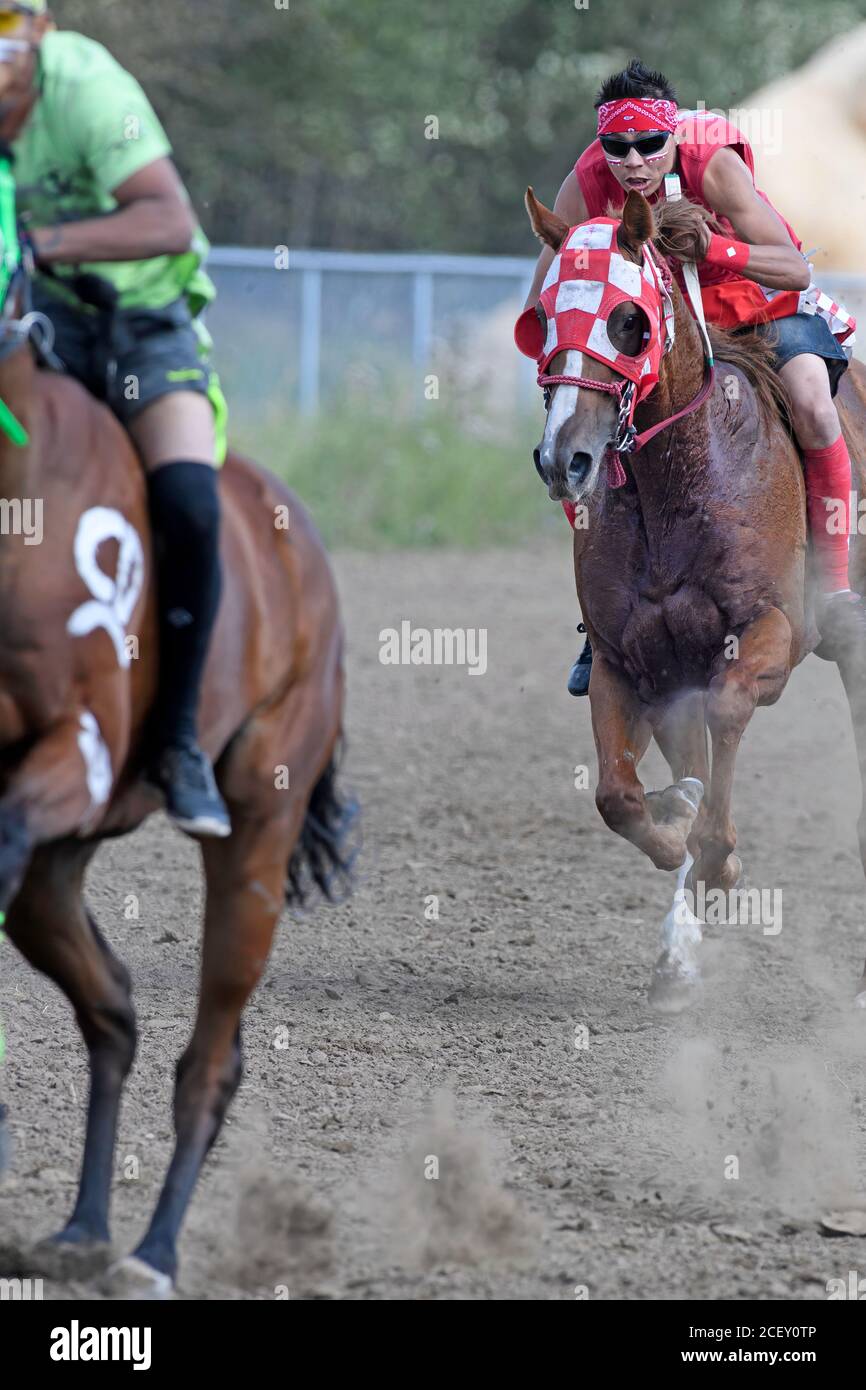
{"points": [[730, 300]]}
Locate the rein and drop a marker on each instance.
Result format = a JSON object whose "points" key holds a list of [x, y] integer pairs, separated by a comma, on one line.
{"points": [[627, 440]]}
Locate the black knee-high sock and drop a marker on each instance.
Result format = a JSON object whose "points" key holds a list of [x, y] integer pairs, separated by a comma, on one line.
{"points": [[185, 516]]}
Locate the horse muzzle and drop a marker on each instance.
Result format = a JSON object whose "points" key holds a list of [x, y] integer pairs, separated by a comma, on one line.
{"points": [[567, 482]]}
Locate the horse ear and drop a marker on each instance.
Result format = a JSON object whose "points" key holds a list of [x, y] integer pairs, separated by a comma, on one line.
{"points": [[547, 226], [637, 223]]}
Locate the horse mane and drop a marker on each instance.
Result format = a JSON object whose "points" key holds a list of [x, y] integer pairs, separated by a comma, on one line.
{"points": [[752, 353], [678, 226]]}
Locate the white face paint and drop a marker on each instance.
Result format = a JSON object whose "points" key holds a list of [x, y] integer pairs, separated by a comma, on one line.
{"points": [[113, 600]]}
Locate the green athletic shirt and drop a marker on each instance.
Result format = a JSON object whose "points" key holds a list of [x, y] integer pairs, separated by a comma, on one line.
{"points": [[91, 129]]}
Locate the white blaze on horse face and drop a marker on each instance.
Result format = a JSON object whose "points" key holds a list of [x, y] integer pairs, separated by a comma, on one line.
{"points": [[562, 406], [113, 600]]}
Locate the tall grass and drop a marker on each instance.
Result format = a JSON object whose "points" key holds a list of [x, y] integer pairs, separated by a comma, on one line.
{"points": [[374, 482]]}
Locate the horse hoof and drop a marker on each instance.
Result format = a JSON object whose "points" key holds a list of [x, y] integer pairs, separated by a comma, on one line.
{"points": [[132, 1278], [732, 878], [69, 1261], [676, 805], [691, 789], [673, 990]]}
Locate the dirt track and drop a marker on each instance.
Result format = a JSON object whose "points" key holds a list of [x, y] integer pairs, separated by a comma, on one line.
{"points": [[406, 1038]]}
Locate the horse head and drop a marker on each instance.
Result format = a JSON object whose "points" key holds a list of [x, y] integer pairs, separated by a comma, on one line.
{"points": [[603, 321]]}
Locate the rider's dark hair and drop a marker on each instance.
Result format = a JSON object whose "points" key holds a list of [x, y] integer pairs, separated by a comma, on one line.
{"points": [[635, 81]]}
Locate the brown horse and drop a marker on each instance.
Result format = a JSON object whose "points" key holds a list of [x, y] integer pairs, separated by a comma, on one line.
{"points": [[78, 668], [692, 578]]}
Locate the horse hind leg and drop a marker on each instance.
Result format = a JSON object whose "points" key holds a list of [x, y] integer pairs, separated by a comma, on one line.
{"points": [[49, 925], [245, 896]]}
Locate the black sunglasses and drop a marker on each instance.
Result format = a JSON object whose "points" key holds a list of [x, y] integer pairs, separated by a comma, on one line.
{"points": [[644, 144]]}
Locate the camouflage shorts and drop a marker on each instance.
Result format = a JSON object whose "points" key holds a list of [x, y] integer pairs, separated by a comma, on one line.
{"points": [[143, 355]]}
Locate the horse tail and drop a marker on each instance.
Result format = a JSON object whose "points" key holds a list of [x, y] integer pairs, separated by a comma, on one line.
{"points": [[326, 850]]}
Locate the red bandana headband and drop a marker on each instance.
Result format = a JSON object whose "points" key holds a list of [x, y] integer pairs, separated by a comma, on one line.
{"points": [[632, 114]]}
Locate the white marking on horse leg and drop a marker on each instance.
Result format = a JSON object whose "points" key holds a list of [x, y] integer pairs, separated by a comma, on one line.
{"points": [[97, 760], [681, 929]]}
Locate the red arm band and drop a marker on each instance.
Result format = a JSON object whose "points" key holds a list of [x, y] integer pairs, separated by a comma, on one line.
{"points": [[722, 251]]}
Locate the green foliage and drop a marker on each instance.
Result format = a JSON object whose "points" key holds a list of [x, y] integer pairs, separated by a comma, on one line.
{"points": [[306, 126], [373, 482]]}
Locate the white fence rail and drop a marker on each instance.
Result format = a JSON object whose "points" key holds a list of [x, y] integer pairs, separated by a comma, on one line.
{"points": [[301, 335]]}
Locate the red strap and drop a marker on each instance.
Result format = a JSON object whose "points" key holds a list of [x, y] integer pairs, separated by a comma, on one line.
{"points": [[709, 378]]}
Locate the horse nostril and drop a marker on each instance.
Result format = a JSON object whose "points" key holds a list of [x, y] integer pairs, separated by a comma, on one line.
{"points": [[536, 459], [579, 468]]}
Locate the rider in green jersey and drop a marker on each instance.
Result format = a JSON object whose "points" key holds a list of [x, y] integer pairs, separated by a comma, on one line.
{"points": [[118, 259]]}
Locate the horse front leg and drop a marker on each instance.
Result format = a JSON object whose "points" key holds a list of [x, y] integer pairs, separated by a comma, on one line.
{"points": [[681, 733], [50, 926], [658, 823], [757, 675]]}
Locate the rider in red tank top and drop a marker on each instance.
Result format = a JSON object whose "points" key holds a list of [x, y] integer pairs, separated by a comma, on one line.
{"points": [[753, 276], [729, 300]]}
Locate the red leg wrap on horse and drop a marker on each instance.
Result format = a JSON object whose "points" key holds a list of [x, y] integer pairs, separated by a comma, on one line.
{"points": [[828, 478]]}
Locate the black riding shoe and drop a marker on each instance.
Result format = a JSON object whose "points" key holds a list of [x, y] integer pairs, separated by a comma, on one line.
{"points": [[578, 676], [192, 800]]}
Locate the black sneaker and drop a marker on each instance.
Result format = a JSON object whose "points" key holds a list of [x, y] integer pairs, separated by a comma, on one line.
{"points": [[192, 799], [578, 676]]}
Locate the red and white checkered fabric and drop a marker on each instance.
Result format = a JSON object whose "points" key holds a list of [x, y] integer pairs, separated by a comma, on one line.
{"points": [[587, 280], [841, 322]]}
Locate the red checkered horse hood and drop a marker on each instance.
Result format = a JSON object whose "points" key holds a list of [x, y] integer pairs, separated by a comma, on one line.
{"points": [[586, 281]]}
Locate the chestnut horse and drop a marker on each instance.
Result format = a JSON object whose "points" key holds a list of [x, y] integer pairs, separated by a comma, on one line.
{"points": [[78, 670], [692, 578]]}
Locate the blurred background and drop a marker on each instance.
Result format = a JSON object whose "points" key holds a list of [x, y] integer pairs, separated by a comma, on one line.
{"points": [[360, 170]]}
